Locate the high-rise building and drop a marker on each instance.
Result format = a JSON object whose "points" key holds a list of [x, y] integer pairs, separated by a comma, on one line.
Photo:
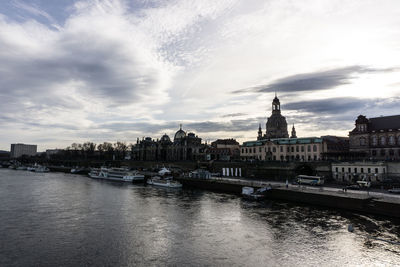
{"points": [[18, 150]]}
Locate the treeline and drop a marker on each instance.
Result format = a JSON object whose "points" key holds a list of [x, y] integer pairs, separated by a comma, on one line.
{"points": [[90, 150]]}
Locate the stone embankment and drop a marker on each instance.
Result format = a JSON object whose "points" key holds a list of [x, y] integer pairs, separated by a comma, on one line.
{"points": [[360, 201]]}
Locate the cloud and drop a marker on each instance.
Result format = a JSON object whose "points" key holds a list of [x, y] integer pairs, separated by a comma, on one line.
{"points": [[314, 81], [233, 115]]}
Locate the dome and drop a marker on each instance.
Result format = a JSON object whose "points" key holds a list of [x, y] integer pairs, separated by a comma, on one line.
{"points": [[165, 138], [180, 134]]}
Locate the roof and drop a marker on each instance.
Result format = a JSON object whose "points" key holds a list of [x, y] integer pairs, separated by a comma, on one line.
{"points": [[284, 141], [384, 123]]}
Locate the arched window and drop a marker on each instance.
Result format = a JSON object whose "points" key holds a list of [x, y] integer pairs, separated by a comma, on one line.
{"points": [[383, 140], [374, 140], [315, 148], [391, 140], [383, 152]]}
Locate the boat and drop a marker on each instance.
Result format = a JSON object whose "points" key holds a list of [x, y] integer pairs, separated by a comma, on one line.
{"points": [[165, 182], [116, 174], [79, 170], [21, 168], [40, 168], [31, 168], [249, 193], [164, 171]]}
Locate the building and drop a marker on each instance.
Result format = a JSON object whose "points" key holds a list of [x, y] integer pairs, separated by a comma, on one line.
{"points": [[337, 148], [183, 147], [376, 138], [223, 149], [276, 126], [351, 172], [284, 149], [18, 150]]}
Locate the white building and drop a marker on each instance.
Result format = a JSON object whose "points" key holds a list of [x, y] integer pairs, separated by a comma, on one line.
{"points": [[284, 149], [18, 150], [356, 171]]}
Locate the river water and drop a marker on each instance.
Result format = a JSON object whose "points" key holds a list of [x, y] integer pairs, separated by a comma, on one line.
{"points": [[57, 219]]}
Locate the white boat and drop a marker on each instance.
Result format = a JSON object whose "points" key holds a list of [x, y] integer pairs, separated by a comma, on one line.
{"points": [[165, 182], [40, 168], [249, 192], [116, 174], [164, 171], [394, 190], [31, 169]]}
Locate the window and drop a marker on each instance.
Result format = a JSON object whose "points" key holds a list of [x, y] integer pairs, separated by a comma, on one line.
{"points": [[342, 169], [315, 148], [309, 157], [308, 148], [383, 140], [297, 149], [315, 157], [269, 149], [292, 149], [302, 148], [242, 150], [374, 140], [391, 152], [274, 149], [362, 170], [391, 140], [349, 170], [259, 149], [373, 152], [281, 148], [254, 150], [288, 149], [383, 153], [355, 170], [384, 170], [246, 150], [369, 170], [376, 170], [362, 141], [398, 140], [337, 169]]}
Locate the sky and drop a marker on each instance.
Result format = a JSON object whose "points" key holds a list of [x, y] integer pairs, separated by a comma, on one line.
{"points": [[115, 70]]}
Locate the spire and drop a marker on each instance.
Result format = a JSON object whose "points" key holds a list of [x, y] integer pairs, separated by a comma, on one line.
{"points": [[293, 132], [259, 136], [180, 126]]}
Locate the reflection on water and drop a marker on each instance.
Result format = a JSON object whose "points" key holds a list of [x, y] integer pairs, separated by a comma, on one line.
{"points": [[60, 219]]}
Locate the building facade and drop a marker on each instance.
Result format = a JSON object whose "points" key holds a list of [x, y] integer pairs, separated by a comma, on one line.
{"points": [[223, 149], [276, 126], [183, 147], [376, 138], [284, 149], [351, 172], [18, 150]]}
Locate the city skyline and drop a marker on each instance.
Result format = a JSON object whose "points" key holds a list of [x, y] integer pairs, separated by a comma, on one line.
{"points": [[76, 71]]}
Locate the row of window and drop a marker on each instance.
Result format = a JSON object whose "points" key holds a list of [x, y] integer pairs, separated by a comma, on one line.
{"points": [[382, 140], [286, 158], [355, 170], [384, 152], [288, 149]]}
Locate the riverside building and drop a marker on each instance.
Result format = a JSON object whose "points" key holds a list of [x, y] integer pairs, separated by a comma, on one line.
{"points": [[376, 138], [18, 150]]}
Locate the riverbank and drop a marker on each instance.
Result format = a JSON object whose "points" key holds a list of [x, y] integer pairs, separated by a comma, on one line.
{"points": [[360, 201]]}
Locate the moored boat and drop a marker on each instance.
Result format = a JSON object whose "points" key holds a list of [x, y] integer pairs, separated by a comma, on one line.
{"points": [[116, 174], [40, 168], [164, 182], [249, 192]]}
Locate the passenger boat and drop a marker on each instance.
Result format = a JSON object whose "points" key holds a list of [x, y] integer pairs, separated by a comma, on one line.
{"points": [[116, 174], [40, 168], [165, 182], [249, 193]]}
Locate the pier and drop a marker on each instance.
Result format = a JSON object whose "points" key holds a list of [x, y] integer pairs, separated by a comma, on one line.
{"points": [[360, 201]]}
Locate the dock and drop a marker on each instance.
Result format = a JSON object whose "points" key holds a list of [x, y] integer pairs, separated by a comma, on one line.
{"points": [[360, 201]]}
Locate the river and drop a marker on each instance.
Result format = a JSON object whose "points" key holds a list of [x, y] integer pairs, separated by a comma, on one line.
{"points": [[56, 219]]}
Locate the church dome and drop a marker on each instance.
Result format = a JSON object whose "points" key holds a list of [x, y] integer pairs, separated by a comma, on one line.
{"points": [[180, 134], [165, 138]]}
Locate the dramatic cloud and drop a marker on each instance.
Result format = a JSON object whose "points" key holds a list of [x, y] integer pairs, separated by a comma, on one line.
{"points": [[315, 81], [102, 70]]}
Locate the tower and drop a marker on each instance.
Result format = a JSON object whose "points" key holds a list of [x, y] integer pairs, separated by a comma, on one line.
{"points": [[276, 126], [293, 132], [259, 137]]}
